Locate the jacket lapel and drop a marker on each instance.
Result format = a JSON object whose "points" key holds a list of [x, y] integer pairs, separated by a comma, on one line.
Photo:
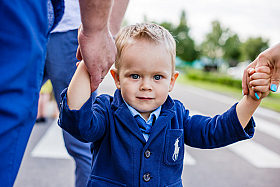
{"points": [[166, 114], [123, 114], [161, 123], [126, 118]]}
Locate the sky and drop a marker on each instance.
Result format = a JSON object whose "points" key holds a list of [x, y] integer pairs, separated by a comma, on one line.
{"points": [[247, 18]]}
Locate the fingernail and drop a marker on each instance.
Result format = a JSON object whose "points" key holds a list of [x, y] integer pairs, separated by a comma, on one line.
{"points": [[273, 87], [257, 96], [242, 93]]}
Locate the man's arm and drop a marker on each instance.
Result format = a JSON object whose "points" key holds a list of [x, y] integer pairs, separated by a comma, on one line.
{"points": [[79, 88], [96, 45], [116, 18]]}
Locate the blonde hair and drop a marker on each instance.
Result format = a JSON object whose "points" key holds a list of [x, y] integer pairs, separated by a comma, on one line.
{"points": [[149, 31]]}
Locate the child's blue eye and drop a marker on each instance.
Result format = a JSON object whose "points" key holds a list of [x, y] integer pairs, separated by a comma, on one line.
{"points": [[135, 76], [157, 77]]}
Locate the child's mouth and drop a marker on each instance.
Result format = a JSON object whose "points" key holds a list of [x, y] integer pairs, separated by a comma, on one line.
{"points": [[145, 98]]}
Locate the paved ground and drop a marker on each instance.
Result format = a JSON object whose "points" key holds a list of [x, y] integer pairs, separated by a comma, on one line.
{"points": [[253, 163]]}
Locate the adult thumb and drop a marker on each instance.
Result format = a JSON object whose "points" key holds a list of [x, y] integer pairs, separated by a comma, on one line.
{"points": [[275, 79]]}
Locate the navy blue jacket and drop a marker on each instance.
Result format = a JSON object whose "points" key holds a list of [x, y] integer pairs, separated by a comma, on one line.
{"points": [[122, 157]]}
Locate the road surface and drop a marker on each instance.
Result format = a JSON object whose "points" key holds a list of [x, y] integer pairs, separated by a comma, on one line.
{"points": [[250, 163]]}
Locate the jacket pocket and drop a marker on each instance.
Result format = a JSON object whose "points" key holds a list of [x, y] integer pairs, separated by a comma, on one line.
{"points": [[174, 147], [96, 181]]}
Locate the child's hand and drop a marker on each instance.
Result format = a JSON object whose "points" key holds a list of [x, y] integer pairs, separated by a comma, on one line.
{"points": [[259, 82], [78, 63]]}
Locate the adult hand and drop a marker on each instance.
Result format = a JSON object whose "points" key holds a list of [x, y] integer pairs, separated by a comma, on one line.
{"points": [[270, 58], [98, 51]]}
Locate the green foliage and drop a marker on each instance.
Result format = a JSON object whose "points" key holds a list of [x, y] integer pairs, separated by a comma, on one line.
{"points": [[214, 77], [231, 49], [252, 48], [220, 43], [271, 102], [223, 43], [185, 46], [212, 46]]}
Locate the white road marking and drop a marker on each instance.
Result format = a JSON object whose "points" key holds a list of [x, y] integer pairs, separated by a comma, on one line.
{"points": [[267, 127], [188, 159], [256, 154], [51, 145]]}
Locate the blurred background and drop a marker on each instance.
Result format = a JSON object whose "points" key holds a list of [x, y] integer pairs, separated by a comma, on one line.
{"points": [[216, 40]]}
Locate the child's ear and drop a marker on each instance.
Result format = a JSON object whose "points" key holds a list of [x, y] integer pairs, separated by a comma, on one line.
{"points": [[173, 79], [115, 75]]}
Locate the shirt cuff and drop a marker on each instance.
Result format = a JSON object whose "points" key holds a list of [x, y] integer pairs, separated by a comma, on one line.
{"points": [[70, 120]]}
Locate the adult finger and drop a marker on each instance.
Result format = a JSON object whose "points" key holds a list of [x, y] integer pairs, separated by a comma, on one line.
{"points": [[275, 79], [79, 54], [95, 80], [98, 77]]}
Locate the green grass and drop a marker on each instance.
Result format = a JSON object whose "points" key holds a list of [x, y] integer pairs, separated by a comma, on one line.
{"points": [[271, 102]]}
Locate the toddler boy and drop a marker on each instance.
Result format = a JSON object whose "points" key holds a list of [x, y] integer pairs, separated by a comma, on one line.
{"points": [[138, 135]]}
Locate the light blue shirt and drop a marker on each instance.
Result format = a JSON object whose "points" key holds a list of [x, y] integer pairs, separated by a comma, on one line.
{"points": [[150, 120]]}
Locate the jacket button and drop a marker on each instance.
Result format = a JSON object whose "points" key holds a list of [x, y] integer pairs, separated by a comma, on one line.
{"points": [[147, 153], [147, 177]]}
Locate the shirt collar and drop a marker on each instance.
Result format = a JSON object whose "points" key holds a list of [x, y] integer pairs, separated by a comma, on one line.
{"points": [[134, 112]]}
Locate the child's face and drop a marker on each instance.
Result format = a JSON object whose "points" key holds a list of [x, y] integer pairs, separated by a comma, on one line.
{"points": [[145, 76]]}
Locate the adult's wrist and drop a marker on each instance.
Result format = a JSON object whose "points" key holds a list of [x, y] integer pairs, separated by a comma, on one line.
{"points": [[93, 31]]}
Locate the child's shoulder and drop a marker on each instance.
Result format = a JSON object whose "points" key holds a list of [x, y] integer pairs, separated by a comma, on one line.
{"points": [[105, 98], [176, 102], [178, 105]]}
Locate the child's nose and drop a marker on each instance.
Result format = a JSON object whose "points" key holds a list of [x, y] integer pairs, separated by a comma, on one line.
{"points": [[145, 85]]}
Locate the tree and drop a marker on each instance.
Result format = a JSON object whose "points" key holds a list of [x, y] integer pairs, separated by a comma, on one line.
{"points": [[169, 26], [185, 47], [212, 47], [252, 48], [231, 49]]}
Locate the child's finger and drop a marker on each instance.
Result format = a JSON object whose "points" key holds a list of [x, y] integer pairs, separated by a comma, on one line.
{"points": [[259, 82], [251, 71], [260, 88], [255, 95], [263, 69], [78, 63], [256, 76], [258, 95]]}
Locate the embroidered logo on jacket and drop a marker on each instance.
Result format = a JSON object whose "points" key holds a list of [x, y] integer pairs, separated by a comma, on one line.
{"points": [[176, 150]]}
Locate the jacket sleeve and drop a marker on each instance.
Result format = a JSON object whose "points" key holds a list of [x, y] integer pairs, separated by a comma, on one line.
{"points": [[221, 130], [85, 124]]}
